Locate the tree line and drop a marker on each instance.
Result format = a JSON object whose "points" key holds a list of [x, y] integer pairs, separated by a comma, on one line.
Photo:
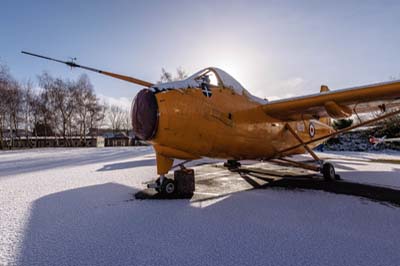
{"points": [[60, 108]]}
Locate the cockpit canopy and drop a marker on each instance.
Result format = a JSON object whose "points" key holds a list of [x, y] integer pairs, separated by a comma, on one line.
{"points": [[211, 75]]}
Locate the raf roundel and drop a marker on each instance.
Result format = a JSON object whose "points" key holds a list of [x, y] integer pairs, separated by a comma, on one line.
{"points": [[311, 130]]}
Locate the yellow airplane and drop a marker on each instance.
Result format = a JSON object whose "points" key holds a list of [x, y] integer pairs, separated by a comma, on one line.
{"points": [[210, 114]]}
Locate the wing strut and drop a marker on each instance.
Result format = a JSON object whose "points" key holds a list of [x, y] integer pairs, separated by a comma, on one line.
{"points": [[309, 166], [114, 75], [327, 169], [338, 132], [308, 149]]}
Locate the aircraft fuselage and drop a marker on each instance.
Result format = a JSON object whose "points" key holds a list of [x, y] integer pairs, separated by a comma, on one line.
{"points": [[193, 124]]}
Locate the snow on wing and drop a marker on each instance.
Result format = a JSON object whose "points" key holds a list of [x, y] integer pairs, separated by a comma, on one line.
{"points": [[337, 104], [194, 81]]}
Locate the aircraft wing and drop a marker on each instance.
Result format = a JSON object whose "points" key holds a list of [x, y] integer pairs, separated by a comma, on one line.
{"points": [[337, 104]]}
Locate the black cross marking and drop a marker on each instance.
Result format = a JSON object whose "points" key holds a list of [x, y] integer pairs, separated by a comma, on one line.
{"points": [[206, 90]]}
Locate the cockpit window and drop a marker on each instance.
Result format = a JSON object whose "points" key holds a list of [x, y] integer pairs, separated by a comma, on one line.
{"points": [[208, 77]]}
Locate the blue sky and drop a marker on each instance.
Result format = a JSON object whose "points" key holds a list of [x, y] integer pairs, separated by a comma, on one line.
{"points": [[274, 48]]}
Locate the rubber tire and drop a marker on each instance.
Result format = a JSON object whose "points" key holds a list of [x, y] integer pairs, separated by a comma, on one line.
{"points": [[168, 187], [158, 189], [232, 164], [328, 171]]}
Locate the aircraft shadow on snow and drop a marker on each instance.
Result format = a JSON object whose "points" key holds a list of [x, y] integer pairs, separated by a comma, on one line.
{"points": [[129, 164], [104, 225], [370, 191]]}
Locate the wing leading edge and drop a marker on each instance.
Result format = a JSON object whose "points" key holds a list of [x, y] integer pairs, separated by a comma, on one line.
{"points": [[337, 104]]}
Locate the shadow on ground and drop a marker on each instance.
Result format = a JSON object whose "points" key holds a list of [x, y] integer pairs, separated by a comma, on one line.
{"points": [[20, 166], [102, 225], [372, 192], [126, 165], [288, 181]]}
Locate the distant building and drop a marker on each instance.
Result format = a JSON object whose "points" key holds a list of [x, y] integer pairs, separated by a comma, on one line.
{"points": [[115, 138], [95, 138], [20, 133]]}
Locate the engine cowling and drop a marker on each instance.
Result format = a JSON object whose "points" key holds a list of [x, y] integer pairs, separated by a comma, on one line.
{"points": [[144, 115]]}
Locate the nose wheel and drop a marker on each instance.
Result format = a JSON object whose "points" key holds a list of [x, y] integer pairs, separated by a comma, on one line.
{"points": [[168, 187], [181, 186], [164, 186], [232, 164]]}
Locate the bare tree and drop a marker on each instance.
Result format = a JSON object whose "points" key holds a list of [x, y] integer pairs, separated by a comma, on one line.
{"points": [[27, 96], [168, 77], [115, 117], [14, 103], [4, 83], [44, 127], [85, 103], [165, 76], [60, 103], [63, 103], [96, 114], [60, 108], [180, 74], [126, 121], [48, 122], [34, 104]]}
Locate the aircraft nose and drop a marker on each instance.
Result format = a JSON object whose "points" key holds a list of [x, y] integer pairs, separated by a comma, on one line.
{"points": [[144, 114]]}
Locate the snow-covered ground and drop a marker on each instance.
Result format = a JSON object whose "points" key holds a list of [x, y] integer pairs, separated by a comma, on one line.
{"points": [[376, 168], [76, 207]]}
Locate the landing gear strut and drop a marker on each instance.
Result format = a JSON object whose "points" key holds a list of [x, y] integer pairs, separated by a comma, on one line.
{"points": [[326, 169]]}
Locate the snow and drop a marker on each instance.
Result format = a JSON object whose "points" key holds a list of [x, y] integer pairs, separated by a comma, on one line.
{"points": [[193, 82], [368, 168], [76, 207], [228, 81], [380, 84]]}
